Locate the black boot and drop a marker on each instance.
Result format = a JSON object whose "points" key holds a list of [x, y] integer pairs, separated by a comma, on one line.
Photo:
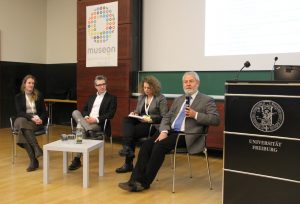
{"points": [[30, 137], [127, 167], [34, 163], [76, 163]]}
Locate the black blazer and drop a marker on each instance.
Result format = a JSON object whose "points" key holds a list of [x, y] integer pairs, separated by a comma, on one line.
{"points": [[107, 109], [20, 104]]}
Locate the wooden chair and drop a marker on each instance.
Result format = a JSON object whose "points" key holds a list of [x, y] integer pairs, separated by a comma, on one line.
{"points": [[14, 133]]}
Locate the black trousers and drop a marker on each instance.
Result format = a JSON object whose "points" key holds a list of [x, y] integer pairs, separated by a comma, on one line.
{"points": [[133, 129], [151, 157]]}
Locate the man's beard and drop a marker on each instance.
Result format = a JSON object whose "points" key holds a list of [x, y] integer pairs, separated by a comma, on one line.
{"points": [[190, 91]]}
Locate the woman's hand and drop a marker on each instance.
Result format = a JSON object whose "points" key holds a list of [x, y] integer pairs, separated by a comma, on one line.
{"points": [[36, 119], [133, 113], [146, 119]]}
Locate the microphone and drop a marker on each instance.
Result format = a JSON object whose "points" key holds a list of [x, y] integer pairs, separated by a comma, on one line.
{"points": [[272, 72], [187, 101], [246, 64]]}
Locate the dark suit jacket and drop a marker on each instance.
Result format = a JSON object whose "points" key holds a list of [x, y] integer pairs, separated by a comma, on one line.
{"points": [[207, 115], [20, 104], [107, 109], [157, 109]]}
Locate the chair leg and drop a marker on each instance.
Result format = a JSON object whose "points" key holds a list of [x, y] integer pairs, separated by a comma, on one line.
{"points": [[174, 171], [48, 135], [208, 170], [111, 144], [14, 151], [190, 166], [171, 161]]}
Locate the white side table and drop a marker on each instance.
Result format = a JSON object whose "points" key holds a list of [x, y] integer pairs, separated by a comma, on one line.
{"points": [[65, 147]]}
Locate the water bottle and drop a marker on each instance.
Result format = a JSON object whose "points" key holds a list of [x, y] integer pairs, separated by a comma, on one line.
{"points": [[79, 133]]}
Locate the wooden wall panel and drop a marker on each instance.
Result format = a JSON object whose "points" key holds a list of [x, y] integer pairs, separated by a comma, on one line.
{"points": [[216, 133], [125, 42]]}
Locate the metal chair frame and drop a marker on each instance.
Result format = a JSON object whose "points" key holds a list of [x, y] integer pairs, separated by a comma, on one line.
{"points": [[15, 132], [184, 150]]}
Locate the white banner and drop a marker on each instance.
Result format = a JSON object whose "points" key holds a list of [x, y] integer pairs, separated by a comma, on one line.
{"points": [[102, 35]]}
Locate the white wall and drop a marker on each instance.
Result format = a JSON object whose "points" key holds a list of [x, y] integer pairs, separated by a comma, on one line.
{"points": [[23, 31], [38, 31], [174, 35], [61, 31]]}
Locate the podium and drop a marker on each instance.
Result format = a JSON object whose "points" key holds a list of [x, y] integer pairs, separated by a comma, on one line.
{"points": [[262, 142]]}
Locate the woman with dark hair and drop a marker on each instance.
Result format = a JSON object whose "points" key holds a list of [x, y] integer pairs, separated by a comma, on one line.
{"points": [[31, 115], [151, 106]]}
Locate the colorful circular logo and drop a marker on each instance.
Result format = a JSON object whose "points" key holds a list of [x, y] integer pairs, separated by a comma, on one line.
{"points": [[101, 13]]}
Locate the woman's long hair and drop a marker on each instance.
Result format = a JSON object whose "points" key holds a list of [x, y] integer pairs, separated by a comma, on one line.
{"points": [[35, 92]]}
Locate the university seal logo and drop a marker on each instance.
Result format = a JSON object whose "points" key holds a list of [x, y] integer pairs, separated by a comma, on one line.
{"points": [[267, 116]]}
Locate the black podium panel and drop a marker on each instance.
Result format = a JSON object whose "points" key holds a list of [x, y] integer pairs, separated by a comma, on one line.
{"points": [[238, 115], [246, 189], [265, 156], [262, 143]]}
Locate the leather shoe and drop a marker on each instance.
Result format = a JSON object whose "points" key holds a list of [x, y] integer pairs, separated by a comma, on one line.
{"points": [[125, 168], [76, 163], [132, 187], [125, 186]]}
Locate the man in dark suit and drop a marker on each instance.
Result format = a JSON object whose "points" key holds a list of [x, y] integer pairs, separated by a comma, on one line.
{"points": [[201, 111], [99, 107]]}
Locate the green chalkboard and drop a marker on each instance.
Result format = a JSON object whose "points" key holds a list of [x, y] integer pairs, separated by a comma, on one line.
{"points": [[212, 82]]}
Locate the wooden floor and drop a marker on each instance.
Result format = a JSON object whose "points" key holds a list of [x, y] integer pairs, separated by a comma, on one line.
{"points": [[19, 186]]}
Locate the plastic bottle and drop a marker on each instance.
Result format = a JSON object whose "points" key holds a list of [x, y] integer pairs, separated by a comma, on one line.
{"points": [[79, 133]]}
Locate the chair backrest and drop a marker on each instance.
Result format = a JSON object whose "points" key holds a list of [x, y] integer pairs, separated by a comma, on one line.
{"points": [[107, 127], [11, 121]]}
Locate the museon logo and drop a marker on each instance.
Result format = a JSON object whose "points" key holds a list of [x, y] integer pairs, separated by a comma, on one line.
{"points": [[102, 35], [101, 24], [267, 116]]}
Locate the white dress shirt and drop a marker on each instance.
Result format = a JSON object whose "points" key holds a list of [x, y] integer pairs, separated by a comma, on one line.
{"points": [[96, 106]]}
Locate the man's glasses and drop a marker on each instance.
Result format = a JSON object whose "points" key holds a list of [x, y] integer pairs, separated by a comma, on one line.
{"points": [[104, 84]]}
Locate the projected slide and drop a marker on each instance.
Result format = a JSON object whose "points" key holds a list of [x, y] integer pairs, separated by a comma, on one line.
{"points": [[242, 27]]}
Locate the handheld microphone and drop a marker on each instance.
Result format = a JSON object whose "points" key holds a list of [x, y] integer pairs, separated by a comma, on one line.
{"points": [[272, 72], [187, 101], [246, 64]]}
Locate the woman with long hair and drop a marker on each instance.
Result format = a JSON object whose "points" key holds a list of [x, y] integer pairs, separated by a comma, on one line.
{"points": [[31, 115], [151, 106]]}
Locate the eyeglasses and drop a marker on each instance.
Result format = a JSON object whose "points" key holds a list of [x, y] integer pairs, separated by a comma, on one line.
{"points": [[104, 84]]}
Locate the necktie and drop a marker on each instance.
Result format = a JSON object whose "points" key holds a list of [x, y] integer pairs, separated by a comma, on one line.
{"points": [[179, 120]]}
